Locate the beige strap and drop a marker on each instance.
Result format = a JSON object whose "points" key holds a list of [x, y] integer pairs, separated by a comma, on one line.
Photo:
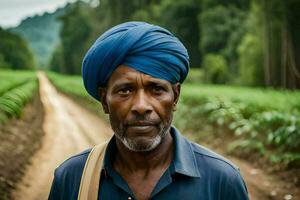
{"points": [[89, 184]]}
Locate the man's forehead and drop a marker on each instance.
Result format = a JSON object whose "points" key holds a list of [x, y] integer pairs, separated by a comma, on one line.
{"points": [[125, 74]]}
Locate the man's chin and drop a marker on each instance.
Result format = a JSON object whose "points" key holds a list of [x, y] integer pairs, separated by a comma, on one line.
{"points": [[142, 143]]}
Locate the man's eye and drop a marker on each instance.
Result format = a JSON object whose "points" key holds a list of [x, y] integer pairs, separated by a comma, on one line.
{"points": [[124, 91], [158, 89]]}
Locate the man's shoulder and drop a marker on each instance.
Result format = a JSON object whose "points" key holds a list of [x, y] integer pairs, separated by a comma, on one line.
{"points": [[212, 159], [219, 171], [74, 164]]}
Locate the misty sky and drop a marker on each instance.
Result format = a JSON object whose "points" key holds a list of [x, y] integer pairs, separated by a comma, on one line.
{"points": [[13, 11]]}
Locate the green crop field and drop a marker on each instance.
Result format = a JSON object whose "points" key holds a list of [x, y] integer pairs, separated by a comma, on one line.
{"points": [[16, 89], [71, 85], [264, 121]]}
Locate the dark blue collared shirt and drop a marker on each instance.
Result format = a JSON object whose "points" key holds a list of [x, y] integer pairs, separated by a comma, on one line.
{"points": [[195, 173]]}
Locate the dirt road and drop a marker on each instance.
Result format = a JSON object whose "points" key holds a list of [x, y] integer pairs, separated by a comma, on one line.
{"points": [[70, 129]]}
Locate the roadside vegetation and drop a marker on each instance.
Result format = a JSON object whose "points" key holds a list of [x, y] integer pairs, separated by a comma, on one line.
{"points": [[16, 89], [265, 122]]}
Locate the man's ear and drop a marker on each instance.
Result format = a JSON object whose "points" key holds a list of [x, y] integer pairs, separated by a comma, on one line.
{"points": [[102, 94], [176, 90]]}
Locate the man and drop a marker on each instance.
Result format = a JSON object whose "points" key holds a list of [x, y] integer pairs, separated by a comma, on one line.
{"points": [[135, 70]]}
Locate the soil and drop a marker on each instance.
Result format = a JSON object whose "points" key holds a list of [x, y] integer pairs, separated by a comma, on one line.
{"points": [[19, 139], [69, 128], [265, 184]]}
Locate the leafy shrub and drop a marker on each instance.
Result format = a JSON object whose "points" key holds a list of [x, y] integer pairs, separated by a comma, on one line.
{"points": [[215, 69], [195, 76]]}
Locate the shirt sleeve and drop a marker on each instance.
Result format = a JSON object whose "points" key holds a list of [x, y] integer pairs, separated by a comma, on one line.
{"points": [[54, 192], [236, 188]]}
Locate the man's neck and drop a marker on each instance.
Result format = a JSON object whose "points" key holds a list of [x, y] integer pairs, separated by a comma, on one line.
{"points": [[132, 161]]}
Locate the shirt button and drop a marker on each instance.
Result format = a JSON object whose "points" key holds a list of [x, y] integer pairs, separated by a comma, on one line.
{"points": [[129, 198]]}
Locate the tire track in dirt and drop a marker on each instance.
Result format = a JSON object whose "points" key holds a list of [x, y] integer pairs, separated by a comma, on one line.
{"points": [[64, 136]]}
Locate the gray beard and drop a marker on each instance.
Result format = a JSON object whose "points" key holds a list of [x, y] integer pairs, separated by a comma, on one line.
{"points": [[133, 144], [152, 143]]}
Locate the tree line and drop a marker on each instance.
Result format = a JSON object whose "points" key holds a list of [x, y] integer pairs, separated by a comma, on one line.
{"points": [[243, 42], [247, 42], [14, 52]]}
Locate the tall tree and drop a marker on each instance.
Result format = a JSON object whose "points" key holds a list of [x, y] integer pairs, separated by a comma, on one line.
{"points": [[250, 50], [75, 35], [282, 22], [181, 19], [291, 45], [222, 27]]}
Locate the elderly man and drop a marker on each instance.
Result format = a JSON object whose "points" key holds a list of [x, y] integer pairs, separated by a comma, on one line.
{"points": [[135, 70]]}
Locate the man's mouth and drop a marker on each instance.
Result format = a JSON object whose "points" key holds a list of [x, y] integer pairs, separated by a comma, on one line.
{"points": [[142, 123], [147, 128], [141, 126]]}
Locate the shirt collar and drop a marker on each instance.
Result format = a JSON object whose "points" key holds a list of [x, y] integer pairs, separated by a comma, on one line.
{"points": [[184, 161], [184, 157]]}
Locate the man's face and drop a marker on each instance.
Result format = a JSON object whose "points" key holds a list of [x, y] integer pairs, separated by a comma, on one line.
{"points": [[140, 107]]}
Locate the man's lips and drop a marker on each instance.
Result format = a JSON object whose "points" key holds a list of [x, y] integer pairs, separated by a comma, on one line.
{"points": [[147, 128], [141, 126], [142, 123]]}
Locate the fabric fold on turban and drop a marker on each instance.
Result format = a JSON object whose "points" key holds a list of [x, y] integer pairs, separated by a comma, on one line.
{"points": [[146, 48]]}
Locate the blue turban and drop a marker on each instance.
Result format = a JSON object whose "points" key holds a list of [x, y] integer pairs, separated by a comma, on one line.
{"points": [[146, 48]]}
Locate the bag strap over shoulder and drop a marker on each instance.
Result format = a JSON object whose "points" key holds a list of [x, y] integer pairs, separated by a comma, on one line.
{"points": [[89, 184]]}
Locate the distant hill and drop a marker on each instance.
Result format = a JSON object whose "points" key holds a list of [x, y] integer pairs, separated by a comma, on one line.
{"points": [[42, 34]]}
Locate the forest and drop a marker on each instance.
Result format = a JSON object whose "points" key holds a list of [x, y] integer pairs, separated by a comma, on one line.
{"points": [[242, 42], [239, 42]]}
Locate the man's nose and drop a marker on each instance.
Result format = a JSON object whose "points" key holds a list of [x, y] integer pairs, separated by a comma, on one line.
{"points": [[141, 104]]}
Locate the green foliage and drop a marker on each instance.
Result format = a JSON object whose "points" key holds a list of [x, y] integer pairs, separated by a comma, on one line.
{"points": [[14, 51], [82, 24], [16, 89], [71, 85], [57, 61], [75, 34], [254, 99], [281, 50], [195, 75], [260, 120], [241, 4], [222, 25], [3, 63], [250, 50], [215, 69], [255, 38], [214, 37], [221, 30], [250, 61], [184, 27], [258, 39]]}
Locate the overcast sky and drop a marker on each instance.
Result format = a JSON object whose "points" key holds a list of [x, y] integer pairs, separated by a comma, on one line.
{"points": [[13, 11]]}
